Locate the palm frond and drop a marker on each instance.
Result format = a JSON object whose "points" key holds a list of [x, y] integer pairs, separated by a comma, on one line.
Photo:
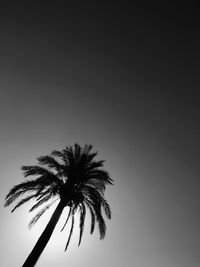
{"points": [[50, 162], [101, 175], [35, 170], [94, 165], [70, 210], [40, 202], [87, 149], [21, 202], [60, 155], [77, 151], [92, 193], [92, 220], [74, 207], [97, 216], [18, 190], [100, 220], [92, 213], [106, 208], [96, 184], [97, 198], [69, 155], [70, 234], [39, 214], [57, 153], [90, 157], [82, 221], [11, 198], [43, 192]]}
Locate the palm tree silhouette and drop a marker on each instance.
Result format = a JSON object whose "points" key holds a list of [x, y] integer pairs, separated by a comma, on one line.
{"points": [[71, 176]]}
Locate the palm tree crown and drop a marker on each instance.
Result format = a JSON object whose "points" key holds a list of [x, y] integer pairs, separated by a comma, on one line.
{"points": [[71, 176]]}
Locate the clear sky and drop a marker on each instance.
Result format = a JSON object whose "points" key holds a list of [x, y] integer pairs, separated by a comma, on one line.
{"points": [[124, 79]]}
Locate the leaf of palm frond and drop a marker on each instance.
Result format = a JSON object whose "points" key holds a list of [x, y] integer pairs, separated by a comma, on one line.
{"points": [[96, 208], [40, 202], [96, 184], [70, 209], [60, 155], [35, 170], [82, 221], [50, 162], [91, 156], [46, 180], [19, 189], [106, 208], [46, 176], [94, 165], [98, 198], [49, 190], [57, 153], [93, 219], [46, 186], [11, 198], [101, 222], [21, 202], [74, 208], [33, 185], [69, 155], [92, 193], [77, 151], [101, 175], [39, 214], [40, 189], [41, 193], [70, 234], [87, 149]]}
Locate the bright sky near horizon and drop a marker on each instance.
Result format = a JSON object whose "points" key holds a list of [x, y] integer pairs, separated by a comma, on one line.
{"points": [[124, 79]]}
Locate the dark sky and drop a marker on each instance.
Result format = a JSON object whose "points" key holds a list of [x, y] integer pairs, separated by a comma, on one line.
{"points": [[126, 79]]}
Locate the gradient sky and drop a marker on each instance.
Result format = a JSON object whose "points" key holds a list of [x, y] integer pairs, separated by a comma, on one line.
{"points": [[126, 80]]}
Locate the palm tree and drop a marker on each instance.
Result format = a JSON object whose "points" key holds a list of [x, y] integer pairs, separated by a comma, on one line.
{"points": [[71, 176]]}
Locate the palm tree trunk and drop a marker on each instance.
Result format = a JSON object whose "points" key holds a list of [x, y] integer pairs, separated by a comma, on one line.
{"points": [[44, 238]]}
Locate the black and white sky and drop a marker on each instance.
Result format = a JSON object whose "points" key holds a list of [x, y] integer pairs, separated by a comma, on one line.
{"points": [[124, 78]]}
